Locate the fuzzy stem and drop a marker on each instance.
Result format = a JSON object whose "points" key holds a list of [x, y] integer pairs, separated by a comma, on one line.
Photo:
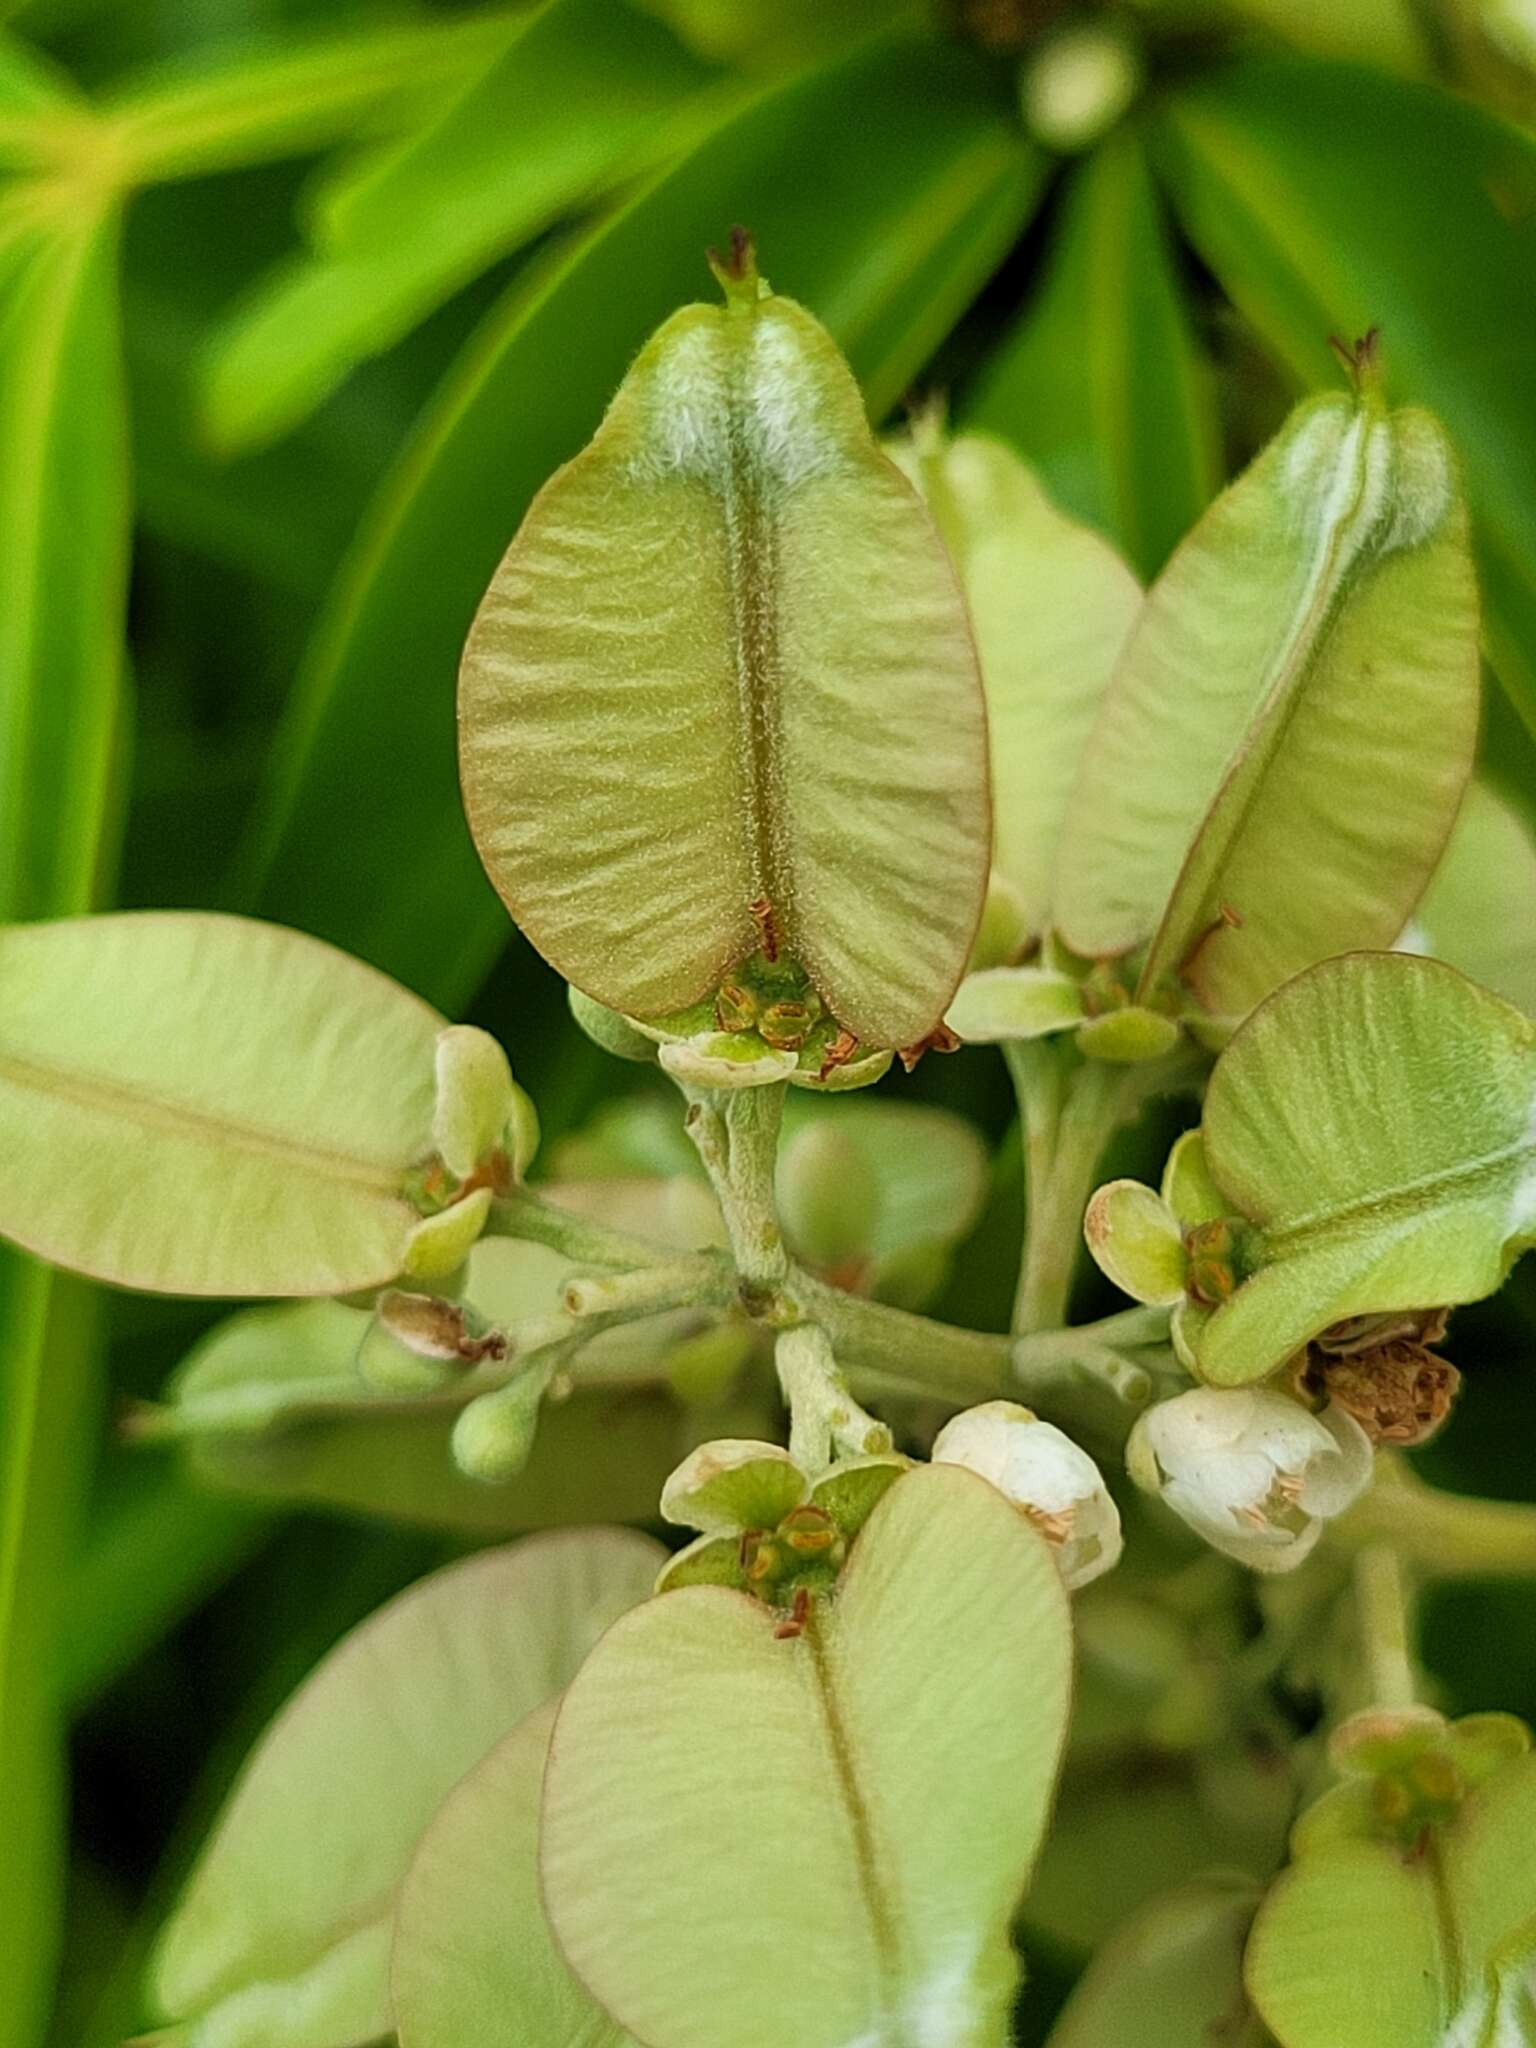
{"points": [[1068, 1119], [910, 1351], [648, 1290], [1069, 1109], [1055, 1359], [824, 1418], [1381, 1602], [736, 1134], [525, 1214], [890, 1348]]}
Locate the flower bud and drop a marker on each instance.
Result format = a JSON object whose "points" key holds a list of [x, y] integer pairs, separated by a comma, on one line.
{"points": [[1004, 930], [1250, 1469], [1046, 1476], [493, 1438], [480, 1109], [1079, 84]]}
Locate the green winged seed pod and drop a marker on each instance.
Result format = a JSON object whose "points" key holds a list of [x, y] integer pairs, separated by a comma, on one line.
{"points": [[1359, 1944], [721, 695], [1375, 1124], [838, 1842], [282, 1935], [197, 1104], [1051, 604], [1288, 734]]}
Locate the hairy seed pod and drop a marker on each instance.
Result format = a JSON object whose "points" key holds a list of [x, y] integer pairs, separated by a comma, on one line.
{"points": [[721, 697]]}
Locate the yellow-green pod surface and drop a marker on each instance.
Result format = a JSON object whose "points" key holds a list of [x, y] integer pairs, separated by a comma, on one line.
{"points": [[723, 684], [1288, 733]]}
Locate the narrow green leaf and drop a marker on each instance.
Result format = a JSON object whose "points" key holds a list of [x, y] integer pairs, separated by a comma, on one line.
{"points": [[1479, 911], [64, 515], [772, 32], [570, 107], [63, 569], [838, 1842], [191, 118], [149, 1555], [595, 1456], [29, 84], [39, 107], [285, 1921], [238, 1106], [931, 201], [1376, 1120], [1360, 1943], [475, 1965], [1315, 635], [1294, 180], [694, 644], [49, 1339], [1387, 32], [1507, 755], [1170, 1976], [1102, 384], [1050, 607]]}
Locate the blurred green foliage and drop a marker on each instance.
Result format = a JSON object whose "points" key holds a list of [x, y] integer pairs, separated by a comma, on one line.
{"points": [[300, 301]]}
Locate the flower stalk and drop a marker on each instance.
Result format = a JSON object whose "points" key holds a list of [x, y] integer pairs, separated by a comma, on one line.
{"points": [[1382, 1605]]}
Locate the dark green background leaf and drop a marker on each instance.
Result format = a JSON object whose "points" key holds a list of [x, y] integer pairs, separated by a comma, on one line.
{"points": [[1102, 384], [1329, 199]]}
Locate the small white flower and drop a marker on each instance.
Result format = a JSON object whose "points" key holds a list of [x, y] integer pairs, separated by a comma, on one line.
{"points": [[1046, 1476], [1251, 1470]]}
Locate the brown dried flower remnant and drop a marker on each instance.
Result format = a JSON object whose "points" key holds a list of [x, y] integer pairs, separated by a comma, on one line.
{"points": [[1381, 1370]]}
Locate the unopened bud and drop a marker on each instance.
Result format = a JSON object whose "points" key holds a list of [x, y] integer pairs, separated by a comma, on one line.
{"points": [[1079, 84], [1050, 1479], [1004, 929], [474, 1098], [493, 1437], [1128, 1036]]}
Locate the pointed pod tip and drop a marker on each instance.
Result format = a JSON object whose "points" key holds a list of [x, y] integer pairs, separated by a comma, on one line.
{"points": [[736, 271], [1361, 360]]}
